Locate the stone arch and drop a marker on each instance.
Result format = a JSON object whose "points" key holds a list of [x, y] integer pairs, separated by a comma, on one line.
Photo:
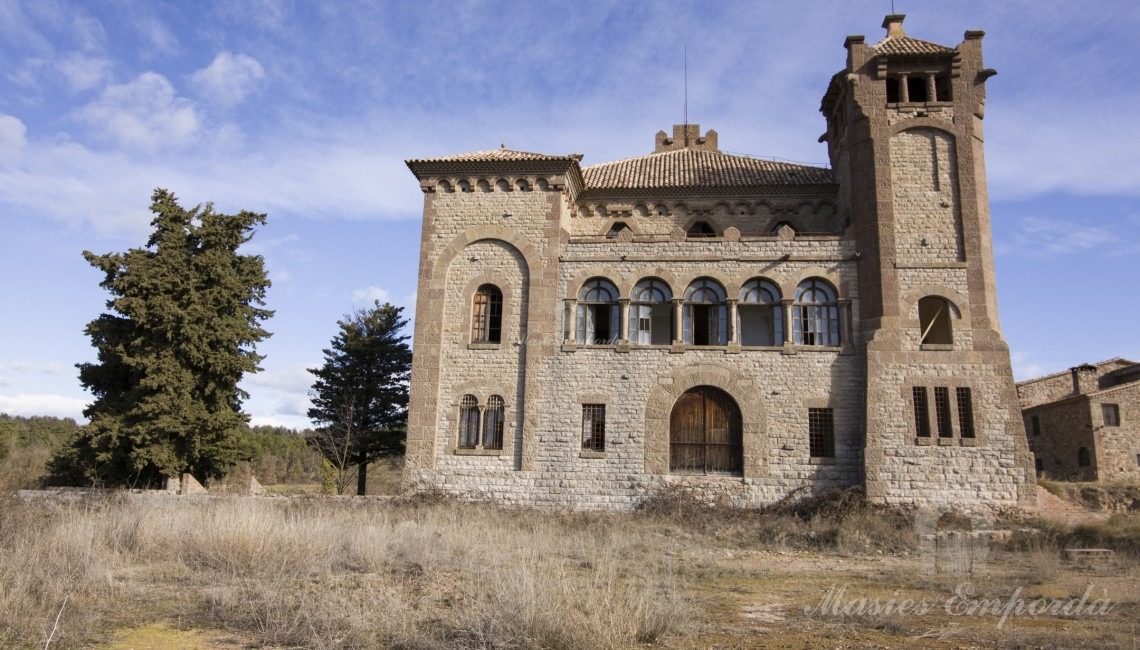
{"points": [[742, 389], [662, 274], [742, 277], [711, 274], [788, 286], [574, 286], [960, 306], [921, 123], [712, 221], [520, 243]]}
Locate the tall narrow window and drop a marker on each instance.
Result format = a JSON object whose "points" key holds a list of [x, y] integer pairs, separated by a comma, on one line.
{"points": [[759, 314], [487, 315], [598, 315], [706, 314], [965, 412], [493, 423], [594, 427], [651, 313], [1039, 464], [916, 89], [821, 433], [942, 411], [934, 321], [921, 412], [1035, 425], [1083, 459], [815, 314], [468, 422], [1111, 413], [894, 96]]}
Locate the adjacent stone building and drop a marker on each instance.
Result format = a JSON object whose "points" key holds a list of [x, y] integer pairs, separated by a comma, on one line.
{"points": [[1084, 424], [745, 328]]}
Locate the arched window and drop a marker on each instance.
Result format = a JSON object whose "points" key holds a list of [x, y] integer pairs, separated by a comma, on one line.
{"points": [[815, 314], [934, 321], [759, 313], [1083, 457], [598, 315], [701, 229], [706, 314], [706, 433], [615, 229], [445, 186], [493, 423], [502, 185], [523, 185], [651, 313], [483, 185], [464, 186], [542, 185], [468, 422], [487, 315]]}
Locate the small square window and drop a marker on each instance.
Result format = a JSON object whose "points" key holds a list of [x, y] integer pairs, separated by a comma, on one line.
{"points": [[594, 427], [1111, 413]]}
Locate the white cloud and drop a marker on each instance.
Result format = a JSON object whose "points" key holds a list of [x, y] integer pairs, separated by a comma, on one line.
{"points": [[143, 114], [228, 79], [58, 406], [39, 367], [1046, 237], [83, 72], [13, 138], [370, 294]]}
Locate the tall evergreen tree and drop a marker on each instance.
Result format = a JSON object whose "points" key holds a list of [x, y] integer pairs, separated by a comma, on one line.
{"points": [[186, 314], [360, 396]]}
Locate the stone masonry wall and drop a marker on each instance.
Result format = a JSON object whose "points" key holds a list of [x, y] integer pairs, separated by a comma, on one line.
{"points": [[1118, 447], [924, 178], [1065, 427]]}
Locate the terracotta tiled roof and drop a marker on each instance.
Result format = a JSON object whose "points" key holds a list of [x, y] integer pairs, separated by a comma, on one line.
{"points": [[495, 155], [908, 45], [691, 168]]}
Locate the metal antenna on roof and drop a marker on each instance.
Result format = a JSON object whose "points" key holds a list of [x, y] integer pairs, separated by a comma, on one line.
{"points": [[687, 83]]}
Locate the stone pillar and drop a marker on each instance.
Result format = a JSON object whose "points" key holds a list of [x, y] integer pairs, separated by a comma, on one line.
{"points": [[931, 90], [480, 429], [904, 95], [844, 325], [733, 328], [678, 321], [571, 320], [623, 305], [786, 305]]}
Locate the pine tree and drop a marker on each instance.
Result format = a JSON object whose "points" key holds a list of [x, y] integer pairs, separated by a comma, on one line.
{"points": [[360, 396], [186, 313]]}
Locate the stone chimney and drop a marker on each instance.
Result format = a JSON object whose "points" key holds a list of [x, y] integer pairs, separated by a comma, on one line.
{"points": [[1084, 379], [686, 136], [893, 24]]}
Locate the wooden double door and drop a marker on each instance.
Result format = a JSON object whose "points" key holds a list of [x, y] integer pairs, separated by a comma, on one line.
{"points": [[706, 433]]}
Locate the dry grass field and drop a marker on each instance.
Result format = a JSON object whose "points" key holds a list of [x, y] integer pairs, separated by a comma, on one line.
{"points": [[309, 572]]}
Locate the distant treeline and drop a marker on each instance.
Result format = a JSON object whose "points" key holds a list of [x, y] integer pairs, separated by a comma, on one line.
{"points": [[275, 455]]}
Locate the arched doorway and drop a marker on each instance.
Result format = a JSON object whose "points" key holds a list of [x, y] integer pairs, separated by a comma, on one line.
{"points": [[705, 433]]}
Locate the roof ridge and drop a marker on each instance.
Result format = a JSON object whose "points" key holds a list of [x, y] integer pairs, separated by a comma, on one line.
{"points": [[677, 152], [1098, 364]]}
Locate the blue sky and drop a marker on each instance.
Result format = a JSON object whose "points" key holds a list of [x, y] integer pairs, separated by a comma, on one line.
{"points": [[306, 111]]}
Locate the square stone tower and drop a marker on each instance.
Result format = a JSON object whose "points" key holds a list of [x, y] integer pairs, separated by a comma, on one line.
{"points": [[905, 140]]}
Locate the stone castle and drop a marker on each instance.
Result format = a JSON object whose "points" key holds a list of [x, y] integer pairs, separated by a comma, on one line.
{"points": [[746, 329]]}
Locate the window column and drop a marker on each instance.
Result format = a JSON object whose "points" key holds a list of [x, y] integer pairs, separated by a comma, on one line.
{"points": [[786, 305], [733, 334], [623, 326], [904, 92], [678, 320], [571, 333], [479, 427]]}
